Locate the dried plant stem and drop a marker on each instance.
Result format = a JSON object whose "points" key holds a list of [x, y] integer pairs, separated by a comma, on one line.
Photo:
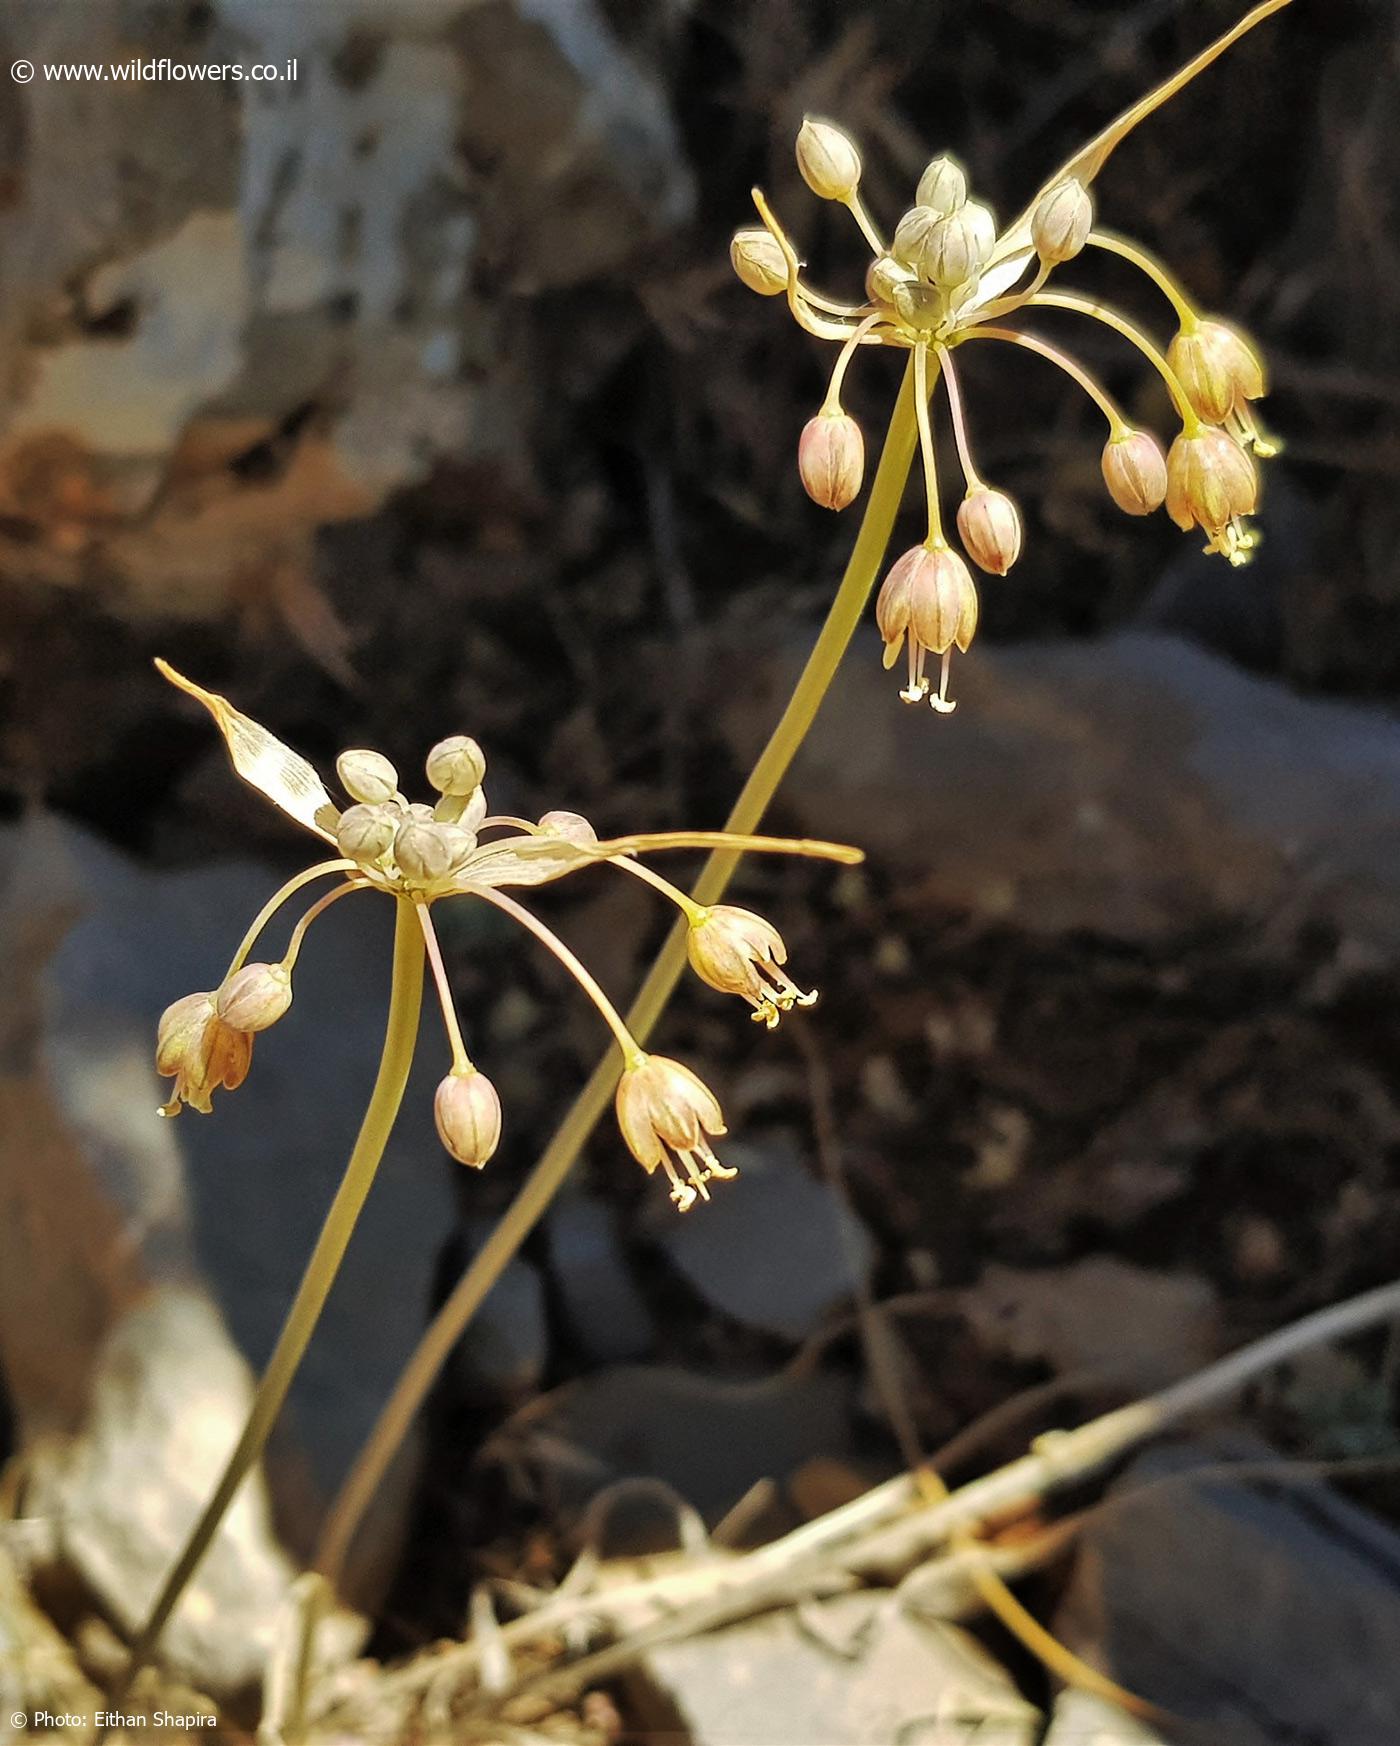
{"points": [[555, 1162], [401, 1033]]}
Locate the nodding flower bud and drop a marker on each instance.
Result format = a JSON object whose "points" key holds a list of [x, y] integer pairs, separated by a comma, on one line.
{"points": [[664, 1109], [200, 1052], [1217, 369], [467, 1112], [828, 160], [943, 186], [456, 765], [739, 952], [757, 257], [255, 996], [429, 853], [929, 595], [1061, 222], [956, 247], [1135, 471], [990, 525], [1211, 483], [831, 459], [365, 833], [367, 776], [572, 826]]}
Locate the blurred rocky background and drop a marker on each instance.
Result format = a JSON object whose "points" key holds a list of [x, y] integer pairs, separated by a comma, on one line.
{"points": [[416, 396]]}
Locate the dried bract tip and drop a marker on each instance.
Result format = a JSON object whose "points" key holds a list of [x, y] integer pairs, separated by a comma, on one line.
{"points": [[366, 833], [757, 257], [666, 1113], [929, 595], [456, 766], [467, 1112], [990, 525], [828, 160], [739, 952], [367, 776], [1135, 471], [831, 459], [572, 826], [200, 1052], [1217, 367], [1211, 483], [255, 996], [943, 186], [428, 853], [1061, 222]]}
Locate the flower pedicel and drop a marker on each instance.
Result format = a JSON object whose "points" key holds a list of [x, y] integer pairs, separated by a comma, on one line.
{"points": [[947, 276], [454, 847]]}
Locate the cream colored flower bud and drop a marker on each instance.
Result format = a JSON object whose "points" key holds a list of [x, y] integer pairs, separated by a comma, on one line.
{"points": [[739, 952], [1217, 368], [884, 276], [367, 776], [255, 996], [990, 525], [1061, 222], [828, 160], [957, 246], [1211, 483], [831, 459], [911, 236], [200, 1052], [456, 765], [429, 853], [572, 826], [757, 257], [943, 186], [467, 1112], [366, 832], [1135, 471], [664, 1109]]}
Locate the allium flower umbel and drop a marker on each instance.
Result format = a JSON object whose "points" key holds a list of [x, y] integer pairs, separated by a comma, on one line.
{"points": [[948, 275], [423, 853]]}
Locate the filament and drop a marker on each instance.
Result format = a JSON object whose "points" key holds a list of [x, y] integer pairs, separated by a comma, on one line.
{"points": [[631, 1049]]}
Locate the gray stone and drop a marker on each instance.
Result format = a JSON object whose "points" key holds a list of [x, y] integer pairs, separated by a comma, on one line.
{"points": [[603, 1309], [1134, 786], [1261, 1613], [778, 1255], [506, 1347], [856, 1671]]}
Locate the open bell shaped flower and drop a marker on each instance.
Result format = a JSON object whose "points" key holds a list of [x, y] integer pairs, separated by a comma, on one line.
{"points": [[422, 854], [949, 275]]}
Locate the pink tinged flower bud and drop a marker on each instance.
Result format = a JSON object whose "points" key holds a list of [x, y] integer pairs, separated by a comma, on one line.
{"points": [[739, 952], [1061, 222], [365, 833], [942, 187], [831, 459], [456, 766], [367, 776], [1217, 369], [1211, 483], [468, 1116], [255, 996], [929, 595], [666, 1113], [828, 160], [990, 525], [757, 257], [1135, 471], [572, 826], [200, 1052]]}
